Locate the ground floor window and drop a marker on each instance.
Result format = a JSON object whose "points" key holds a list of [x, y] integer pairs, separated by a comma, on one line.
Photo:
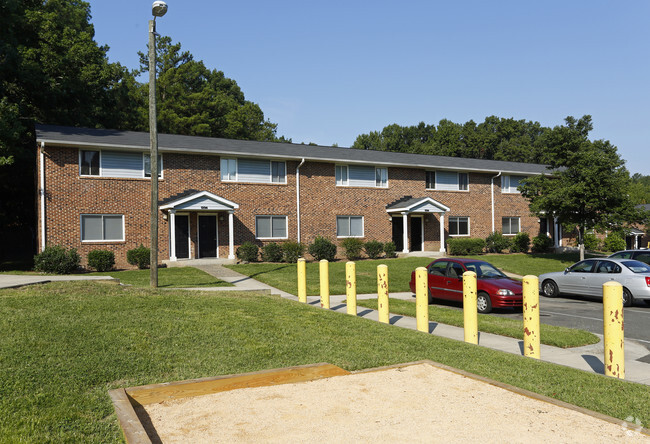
{"points": [[349, 226], [272, 227], [459, 226], [510, 225], [102, 227]]}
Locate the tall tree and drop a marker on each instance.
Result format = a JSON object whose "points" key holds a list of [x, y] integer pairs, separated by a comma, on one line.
{"points": [[588, 183]]}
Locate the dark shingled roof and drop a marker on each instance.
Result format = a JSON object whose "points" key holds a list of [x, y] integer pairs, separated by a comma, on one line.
{"points": [[132, 140]]}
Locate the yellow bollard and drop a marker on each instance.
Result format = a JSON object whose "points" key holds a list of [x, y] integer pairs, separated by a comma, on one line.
{"points": [[382, 293], [470, 315], [613, 329], [531, 317], [324, 284], [351, 287], [302, 280], [422, 299]]}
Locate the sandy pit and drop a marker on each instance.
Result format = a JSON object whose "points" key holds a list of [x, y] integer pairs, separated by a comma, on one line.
{"points": [[417, 403]]}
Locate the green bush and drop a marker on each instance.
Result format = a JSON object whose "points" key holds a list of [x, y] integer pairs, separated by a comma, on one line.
{"points": [[614, 242], [463, 245], [520, 243], [56, 259], [352, 247], [591, 241], [389, 249], [140, 256], [248, 252], [497, 243], [293, 251], [322, 249], [101, 260], [542, 243], [373, 249], [272, 252]]}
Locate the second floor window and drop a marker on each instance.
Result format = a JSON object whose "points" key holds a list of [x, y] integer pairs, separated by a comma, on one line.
{"points": [[510, 183], [361, 176], [253, 170], [125, 164], [447, 181]]}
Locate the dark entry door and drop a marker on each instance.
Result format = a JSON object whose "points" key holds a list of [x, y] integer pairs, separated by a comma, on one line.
{"points": [[207, 236], [416, 234], [182, 235], [398, 233]]}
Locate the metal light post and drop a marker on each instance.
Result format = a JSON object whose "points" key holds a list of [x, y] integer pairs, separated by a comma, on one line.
{"points": [[158, 9]]}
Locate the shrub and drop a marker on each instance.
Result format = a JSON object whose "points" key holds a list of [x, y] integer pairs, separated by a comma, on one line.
{"points": [[101, 260], [459, 245], [497, 242], [353, 247], [542, 243], [389, 249], [322, 249], [248, 252], [373, 249], [614, 242], [56, 259], [140, 256], [520, 243], [272, 252], [293, 251], [591, 241]]}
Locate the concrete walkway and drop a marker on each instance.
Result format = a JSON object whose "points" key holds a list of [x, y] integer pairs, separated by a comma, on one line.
{"points": [[589, 358]]}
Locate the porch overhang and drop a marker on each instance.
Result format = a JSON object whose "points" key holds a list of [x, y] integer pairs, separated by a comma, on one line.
{"points": [[423, 205]]}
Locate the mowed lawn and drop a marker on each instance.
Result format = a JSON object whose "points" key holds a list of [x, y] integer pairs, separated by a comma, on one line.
{"points": [[65, 345]]}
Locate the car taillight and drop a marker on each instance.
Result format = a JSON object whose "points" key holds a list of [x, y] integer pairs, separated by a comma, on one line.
{"points": [[647, 281]]}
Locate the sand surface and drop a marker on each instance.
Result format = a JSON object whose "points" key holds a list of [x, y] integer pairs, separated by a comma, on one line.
{"points": [[418, 403]]}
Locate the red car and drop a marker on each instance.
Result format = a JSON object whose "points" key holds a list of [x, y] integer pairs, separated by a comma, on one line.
{"points": [[494, 289]]}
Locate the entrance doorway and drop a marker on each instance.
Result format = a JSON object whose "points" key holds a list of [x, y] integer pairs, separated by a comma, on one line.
{"points": [[182, 236], [207, 236], [416, 233], [398, 233]]}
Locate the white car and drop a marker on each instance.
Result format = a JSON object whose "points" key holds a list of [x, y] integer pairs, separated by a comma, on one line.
{"points": [[587, 277]]}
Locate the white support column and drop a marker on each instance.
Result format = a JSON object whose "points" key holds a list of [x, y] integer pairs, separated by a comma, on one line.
{"points": [[556, 228], [172, 232], [442, 232], [231, 235], [405, 233]]}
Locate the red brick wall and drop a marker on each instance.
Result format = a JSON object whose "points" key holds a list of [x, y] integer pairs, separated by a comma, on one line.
{"points": [[69, 195]]}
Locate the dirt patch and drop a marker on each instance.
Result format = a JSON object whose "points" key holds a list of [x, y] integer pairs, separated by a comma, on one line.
{"points": [[420, 403]]}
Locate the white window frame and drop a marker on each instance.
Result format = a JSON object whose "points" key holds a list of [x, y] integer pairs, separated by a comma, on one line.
{"points": [[227, 160], [349, 219], [271, 217], [506, 188], [510, 219], [456, 219], [341, 175], [146, 156], [101, 169], [99, 173], [103, 240], [436, 187], [237, 178], [381, 177]]}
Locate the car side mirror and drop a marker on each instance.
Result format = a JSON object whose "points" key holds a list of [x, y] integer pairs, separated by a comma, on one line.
{"points": [[566, 270]]}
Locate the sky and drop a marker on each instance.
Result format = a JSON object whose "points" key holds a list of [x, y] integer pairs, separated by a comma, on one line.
{"points": [[328, 71]]}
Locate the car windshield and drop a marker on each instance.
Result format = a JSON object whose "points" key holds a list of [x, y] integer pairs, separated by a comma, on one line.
{"points": [[484, 270], [637, 266]]}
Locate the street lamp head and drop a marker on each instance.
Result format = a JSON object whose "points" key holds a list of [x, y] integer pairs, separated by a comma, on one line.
{"points": [[158, 9]]}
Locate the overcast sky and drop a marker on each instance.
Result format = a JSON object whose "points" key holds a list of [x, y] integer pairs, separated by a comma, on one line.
{"points": [[328, 71]]}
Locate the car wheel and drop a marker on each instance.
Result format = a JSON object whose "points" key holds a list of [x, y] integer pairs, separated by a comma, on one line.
{"points": [[430, 297], [483, 303], [549, 288], [628, 300]]}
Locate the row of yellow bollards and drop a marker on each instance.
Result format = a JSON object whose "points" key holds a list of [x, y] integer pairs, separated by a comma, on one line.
{"points": [[612, 308]]}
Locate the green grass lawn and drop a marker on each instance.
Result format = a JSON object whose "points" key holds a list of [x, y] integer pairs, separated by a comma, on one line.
{"points": [[549, 334], [167, 277], [530, 263], [66, 344]]}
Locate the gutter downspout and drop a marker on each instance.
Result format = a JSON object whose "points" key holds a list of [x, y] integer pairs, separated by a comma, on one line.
{"points": [[298, 198], [41, 193], [492, 193]]}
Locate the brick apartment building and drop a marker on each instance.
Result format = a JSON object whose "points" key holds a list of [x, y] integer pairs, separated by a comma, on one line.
{"points": [[215, 194]]}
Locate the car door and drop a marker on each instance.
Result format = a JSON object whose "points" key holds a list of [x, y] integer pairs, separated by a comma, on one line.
{"points": [[576, 279], [454, 281], [437, 277], [605, 271]]}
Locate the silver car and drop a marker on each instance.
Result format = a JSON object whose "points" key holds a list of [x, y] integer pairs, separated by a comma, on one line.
{"points": [[587, 278]]}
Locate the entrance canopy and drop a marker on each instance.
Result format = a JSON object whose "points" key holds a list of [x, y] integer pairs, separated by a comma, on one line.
{"points": [[201, 201], [414, 205]]}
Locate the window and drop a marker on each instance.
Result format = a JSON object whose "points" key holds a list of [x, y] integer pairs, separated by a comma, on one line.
{"points": [[102, 227], [381, 177], [253, 170], [341, 175], [447, 181], [583, 267], [510, 225], [510, 183], [147, 165], [272, 227], [361, 176], [438, 268], [89, 163], [349, 226], [459, 226], [116, 164]]}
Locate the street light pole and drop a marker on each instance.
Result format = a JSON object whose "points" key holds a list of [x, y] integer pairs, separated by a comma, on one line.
{"points": [[158, 9]]}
